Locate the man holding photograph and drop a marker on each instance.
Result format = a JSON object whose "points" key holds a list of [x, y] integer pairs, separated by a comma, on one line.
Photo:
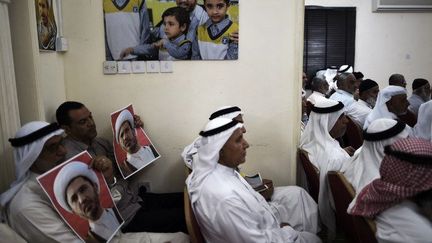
{"points": [[76, 189], [38, 147]]}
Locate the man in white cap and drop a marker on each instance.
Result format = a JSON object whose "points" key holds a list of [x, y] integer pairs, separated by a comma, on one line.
{"points": [[290, 204], [141, 210], [227, 208], [347, 85], [76, 189], [327, 122], [137, 156], [421, 93], [363, 167], [368, 93], [391, 102], [38, 147], [423, 128]]}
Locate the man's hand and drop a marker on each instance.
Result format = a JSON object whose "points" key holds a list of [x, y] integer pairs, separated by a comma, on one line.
{"points": [[104, 165], [267, 193], [158, 44], [234, 36], [137, 121], [350, 150], [126, 52]]}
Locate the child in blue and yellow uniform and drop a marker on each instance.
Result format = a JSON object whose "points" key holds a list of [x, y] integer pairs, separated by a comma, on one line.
{"points": [[213, 38], [175, 46]]}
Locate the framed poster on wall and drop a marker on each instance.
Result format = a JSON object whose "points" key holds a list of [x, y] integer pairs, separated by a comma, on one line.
{"points": [[171, 30]]}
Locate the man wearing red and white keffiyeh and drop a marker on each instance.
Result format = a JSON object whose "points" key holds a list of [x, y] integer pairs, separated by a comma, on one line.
{"points": [[396, 199]]}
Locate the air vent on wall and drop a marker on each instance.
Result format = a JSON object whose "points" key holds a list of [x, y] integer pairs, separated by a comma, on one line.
{"points": [[401, 5]]}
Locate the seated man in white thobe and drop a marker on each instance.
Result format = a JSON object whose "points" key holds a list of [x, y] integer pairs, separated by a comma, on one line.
{"points": [[38, 147], [327, 122], [421, 93], [400, 201], [423, 128], [347, 85], [291, 204], [391, 102], [363, 167], [320, 88], [227, 208], [125, 134], [368, 93]]}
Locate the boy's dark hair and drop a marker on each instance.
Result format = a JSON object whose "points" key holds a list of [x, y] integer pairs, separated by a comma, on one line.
{"points": [[226, 1], [181, 15], [62, 112]]}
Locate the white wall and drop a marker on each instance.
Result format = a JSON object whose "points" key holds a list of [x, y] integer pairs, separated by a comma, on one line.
{"points": [[264, 82], [389, 43]]}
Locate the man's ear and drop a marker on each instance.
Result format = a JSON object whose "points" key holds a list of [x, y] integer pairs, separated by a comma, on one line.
{"points": [[183, 28], [66, 129]]}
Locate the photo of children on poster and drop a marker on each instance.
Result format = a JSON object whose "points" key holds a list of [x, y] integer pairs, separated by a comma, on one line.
{"points": [[46, 25], [81, 196], [133, 149], [171, 30]]}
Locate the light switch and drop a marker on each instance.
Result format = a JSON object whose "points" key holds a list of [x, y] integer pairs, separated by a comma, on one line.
{"points": [[153, 67], [110, 67], [124, 67], [166, 66], [138, 67]]}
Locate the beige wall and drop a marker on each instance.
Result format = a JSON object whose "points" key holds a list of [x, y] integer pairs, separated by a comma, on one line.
{"points": [[174, 107], [389, 43]]}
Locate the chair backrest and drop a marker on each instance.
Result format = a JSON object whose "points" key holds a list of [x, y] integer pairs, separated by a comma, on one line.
{"points": [[191, 223], [312, 174], [357, 228], [354, 134]]}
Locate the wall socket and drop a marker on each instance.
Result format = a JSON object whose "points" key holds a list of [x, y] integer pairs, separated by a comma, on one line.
{"points": [[145, 184]]}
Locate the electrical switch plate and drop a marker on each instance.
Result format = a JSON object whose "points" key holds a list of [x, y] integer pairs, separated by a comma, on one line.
{"points": [[110, 67], [124, 67], [138, 67], [166, 66], [153, 67]]}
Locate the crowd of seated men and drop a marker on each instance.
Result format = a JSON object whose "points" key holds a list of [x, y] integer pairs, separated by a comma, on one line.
{"points": [[396, 131]]}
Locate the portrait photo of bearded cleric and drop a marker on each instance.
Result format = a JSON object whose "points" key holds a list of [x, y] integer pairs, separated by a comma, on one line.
{"points": [[133, 149], [81, 197]]}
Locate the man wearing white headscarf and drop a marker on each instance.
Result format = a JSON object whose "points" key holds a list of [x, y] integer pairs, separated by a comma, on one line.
{"points": [[423, 128], [125, 134], [391, 102], [363, 167], [231, 112], [290, 204], [38, 148], [326, 123], [347, 85], [227, 208], [76, 189]]}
